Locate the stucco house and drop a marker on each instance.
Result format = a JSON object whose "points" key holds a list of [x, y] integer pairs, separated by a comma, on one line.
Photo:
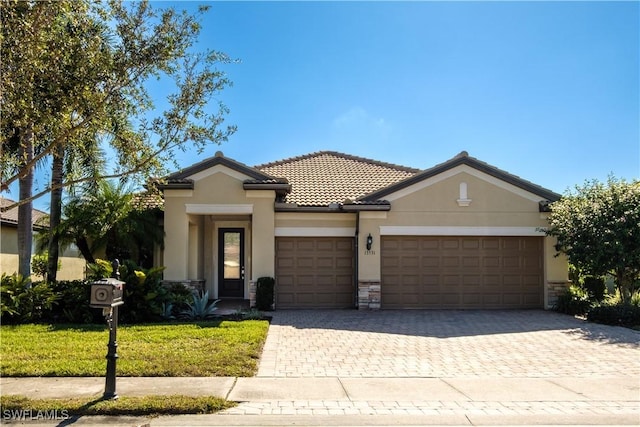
{"points": [[72, 265], [337, 231]]}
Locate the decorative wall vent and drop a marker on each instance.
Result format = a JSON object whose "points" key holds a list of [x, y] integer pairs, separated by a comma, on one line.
{"points": [[464, 200]]}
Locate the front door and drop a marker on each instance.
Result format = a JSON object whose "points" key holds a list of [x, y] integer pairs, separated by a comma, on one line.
{"points": [[231, 262]]}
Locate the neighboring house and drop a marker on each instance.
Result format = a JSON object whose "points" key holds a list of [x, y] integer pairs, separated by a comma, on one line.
{"points": [[72, 265], [342, 231]]}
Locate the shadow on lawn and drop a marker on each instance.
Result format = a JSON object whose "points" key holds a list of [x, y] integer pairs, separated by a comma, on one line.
{"points": [[93, 327]]}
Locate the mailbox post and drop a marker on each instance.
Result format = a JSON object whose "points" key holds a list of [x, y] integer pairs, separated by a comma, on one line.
{"points": [[107, 294]]}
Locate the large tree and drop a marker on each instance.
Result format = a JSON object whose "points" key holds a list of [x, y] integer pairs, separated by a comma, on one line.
{"points": [[598, 227], [74, 74]]}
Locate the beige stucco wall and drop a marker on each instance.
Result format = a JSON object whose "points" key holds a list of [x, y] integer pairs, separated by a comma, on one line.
{"points": [[322, 222], [490, 205], [72, 268], [369, 260], [176, 240], [8, 239], [72, 264], [263, 236], [556, 264]]}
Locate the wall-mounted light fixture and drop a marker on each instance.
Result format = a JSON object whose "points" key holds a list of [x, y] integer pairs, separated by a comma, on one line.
{"points": [[369, 242]]}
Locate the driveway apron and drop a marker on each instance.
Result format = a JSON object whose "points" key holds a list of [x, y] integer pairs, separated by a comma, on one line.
{"points": [[445, 344]]}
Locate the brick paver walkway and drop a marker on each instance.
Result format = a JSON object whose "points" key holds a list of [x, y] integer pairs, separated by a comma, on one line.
{"points": [[532, 344]]}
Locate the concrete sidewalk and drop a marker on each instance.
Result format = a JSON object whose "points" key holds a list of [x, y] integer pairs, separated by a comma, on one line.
{"points": [[366, 401]]}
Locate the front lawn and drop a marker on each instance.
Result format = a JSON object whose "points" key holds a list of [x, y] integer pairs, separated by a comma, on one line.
{"points": [[200, 349], [14, 407]]}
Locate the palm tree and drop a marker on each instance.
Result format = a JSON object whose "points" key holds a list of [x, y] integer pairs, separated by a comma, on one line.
{"points": [[106, 216], [86, 159], [55, 213]]}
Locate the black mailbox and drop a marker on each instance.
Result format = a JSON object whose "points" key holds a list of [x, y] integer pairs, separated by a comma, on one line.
{"points": [[106, 293]]}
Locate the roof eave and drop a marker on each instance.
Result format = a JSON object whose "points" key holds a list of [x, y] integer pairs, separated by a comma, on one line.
{"points": [[333, 207], [175, 186], [366, 207], [279, 187], [292, 207], [11, 223]]}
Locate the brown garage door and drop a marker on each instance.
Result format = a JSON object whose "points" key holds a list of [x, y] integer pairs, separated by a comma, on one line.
{"points": [[462, 272], [314, 272]]}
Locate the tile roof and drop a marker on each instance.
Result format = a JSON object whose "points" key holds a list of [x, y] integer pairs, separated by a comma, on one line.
{"points": [[147, 200], [11, 216], [325, 177]]}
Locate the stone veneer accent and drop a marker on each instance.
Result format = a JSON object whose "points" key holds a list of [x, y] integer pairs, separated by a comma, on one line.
{"points": [[368, 295], [554, 289], [252, 293]]}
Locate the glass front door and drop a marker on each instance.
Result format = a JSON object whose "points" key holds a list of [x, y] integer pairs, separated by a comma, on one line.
{"points": [[231, 262]]}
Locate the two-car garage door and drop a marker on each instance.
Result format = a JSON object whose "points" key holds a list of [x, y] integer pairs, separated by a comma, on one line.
{"points": [[461, 272]]}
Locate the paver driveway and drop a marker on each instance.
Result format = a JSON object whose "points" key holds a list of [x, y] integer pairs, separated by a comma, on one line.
{"points": [[408, 343]]}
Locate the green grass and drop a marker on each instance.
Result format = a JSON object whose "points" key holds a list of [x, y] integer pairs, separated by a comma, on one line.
{"points": [[132, 406], [201, 349]]}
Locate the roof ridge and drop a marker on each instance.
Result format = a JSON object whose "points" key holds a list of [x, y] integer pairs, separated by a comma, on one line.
{"points": [[341, 155], [376, 162], [289, 160]]}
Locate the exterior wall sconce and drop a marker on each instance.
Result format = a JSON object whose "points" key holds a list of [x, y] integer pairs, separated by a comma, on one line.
{"points": [[369, 242]]}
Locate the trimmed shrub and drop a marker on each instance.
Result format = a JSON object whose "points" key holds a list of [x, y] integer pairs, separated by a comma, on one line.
{"points": [[616, 299], [39, 264], [264, 293], [574, 300], [100, 270], [73, 303], [178, 297], [635, 298], [23, 302], [618, 315], [146, 298], [144, 294], [595, 287]]}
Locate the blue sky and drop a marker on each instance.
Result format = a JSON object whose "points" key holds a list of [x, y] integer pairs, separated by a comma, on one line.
{"points": [[545, 90], [548, 91]]}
